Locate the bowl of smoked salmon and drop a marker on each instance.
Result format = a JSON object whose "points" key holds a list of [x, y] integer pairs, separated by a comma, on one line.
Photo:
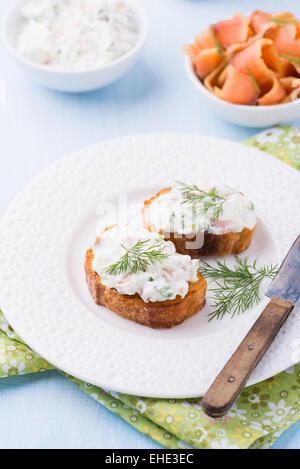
{"points": [[247, 68]]}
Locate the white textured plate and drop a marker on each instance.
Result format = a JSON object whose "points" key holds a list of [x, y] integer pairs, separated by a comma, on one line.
{"points": [[46, 230]]}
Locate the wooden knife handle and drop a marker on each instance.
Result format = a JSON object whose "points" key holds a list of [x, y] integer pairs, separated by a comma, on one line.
{"points": [[232, 379]]}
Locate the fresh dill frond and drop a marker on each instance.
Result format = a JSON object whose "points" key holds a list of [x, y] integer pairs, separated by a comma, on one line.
{"points": [[139, 257], [201, 201], [237, 288], [253, 80], [291, 58], [218, 45], [280, 21]]}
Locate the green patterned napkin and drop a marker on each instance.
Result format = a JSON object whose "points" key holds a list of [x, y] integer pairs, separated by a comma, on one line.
{"points": [[257, 419]]}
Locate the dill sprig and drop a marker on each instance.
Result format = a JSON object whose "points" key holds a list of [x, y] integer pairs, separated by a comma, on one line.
{"points": [[253, 80], [139, 257], [280, 21], [291, 58], [237, 288], [218, 44], [201, 201]]}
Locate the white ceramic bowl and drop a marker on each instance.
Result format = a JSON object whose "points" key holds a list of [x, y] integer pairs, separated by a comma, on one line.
{"points": [[74, 81], [249, 116]]}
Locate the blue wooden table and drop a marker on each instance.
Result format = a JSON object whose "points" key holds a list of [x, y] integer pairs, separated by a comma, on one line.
{"points": [[37, 127]]}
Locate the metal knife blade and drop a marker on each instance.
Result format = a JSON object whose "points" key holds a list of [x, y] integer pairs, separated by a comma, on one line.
{"points": [[286, 284]]}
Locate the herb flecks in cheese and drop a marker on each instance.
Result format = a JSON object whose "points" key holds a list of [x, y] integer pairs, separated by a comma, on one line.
{"points": [[188, 209], [75, 35], [163, 276]]}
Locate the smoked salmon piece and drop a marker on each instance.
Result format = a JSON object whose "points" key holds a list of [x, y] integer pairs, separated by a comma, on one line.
{"points": [[206, 61], [263, 24], [258, 20], [232, 31], [290, 83], [287, 69], [212, 79], [261, 58], [275, 94], [238, 87], [192, 51], [292, 88], [205, 40], [287, 40]]}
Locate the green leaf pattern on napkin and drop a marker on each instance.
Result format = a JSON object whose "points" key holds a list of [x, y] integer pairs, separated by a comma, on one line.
{"points": [[257, 419], [282, 142], [15, 357], [259, 416]]}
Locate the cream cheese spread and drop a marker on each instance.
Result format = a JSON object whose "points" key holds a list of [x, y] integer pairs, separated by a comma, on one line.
{"points": [[158, 282], [172, 213], [76, 34]]}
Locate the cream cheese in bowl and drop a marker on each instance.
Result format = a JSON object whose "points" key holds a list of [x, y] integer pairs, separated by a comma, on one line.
{"points": [[75, 45], [75, 35]]}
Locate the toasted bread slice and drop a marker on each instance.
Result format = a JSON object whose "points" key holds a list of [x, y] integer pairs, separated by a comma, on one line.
{"points": [[214, 244], [158, 315]]}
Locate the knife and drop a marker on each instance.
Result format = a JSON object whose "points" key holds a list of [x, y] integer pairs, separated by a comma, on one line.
{"points": [[284, 292]]}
